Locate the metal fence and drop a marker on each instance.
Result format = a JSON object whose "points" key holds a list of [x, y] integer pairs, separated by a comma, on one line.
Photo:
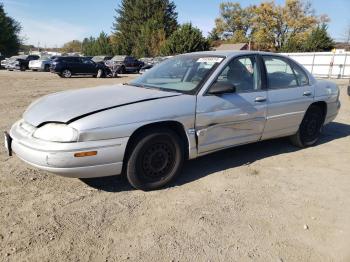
{"points": [[324, 64]]}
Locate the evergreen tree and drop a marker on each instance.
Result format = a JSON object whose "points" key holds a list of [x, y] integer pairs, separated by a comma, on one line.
{"points": [[97, 46], [185, 39], [9, 34], [319, 40], [141, 26]]}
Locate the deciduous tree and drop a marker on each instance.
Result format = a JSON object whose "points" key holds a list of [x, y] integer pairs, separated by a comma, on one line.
{"points": [[73, 46]]}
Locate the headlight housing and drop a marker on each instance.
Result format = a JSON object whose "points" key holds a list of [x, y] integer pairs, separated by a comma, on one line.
{"points": [[56, 132]]}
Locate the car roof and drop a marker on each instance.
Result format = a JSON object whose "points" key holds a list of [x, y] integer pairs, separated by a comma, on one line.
{"points": [[233, 53]]}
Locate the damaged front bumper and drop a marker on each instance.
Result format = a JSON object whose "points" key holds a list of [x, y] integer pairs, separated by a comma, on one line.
{"points": [[61, 158]]}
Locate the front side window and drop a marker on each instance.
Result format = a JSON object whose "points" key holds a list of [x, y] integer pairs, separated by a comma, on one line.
{"points": [[279, 73], [182, 73], [243, 73]]}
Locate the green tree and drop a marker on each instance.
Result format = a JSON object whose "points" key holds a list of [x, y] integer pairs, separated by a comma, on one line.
{"points": [[141, 26], [97, 46], [319, 40], [185, 39], [89, 46], [73, 46], [234, 22], [9, 34]]}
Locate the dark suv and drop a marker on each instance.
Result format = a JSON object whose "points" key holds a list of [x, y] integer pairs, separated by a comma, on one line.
{"points": [[125, 64], [21, 62], [67, 66]]}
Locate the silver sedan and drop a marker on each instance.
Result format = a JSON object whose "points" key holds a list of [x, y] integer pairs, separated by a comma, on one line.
{"points": [[183, 108]]}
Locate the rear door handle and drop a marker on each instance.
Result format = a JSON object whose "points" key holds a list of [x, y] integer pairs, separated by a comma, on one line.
{"points": [[260, 99], [307, 93]]}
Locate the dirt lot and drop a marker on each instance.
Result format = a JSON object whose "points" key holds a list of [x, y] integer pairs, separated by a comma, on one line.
{"points": [[263, 202]]}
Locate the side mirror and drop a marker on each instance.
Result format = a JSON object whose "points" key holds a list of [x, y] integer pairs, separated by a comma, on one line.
{"points": [[219, 88]]}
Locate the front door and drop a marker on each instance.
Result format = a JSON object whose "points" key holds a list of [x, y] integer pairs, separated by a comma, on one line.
{"points": [[234, 118]]}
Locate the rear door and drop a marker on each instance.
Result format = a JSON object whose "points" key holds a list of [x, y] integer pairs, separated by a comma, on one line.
{"points": [[233, 118], [289, 95]]}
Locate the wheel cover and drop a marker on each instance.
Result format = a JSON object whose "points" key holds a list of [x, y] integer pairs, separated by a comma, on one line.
{"points": [[157, 161], [311, 127], [67, 73]]}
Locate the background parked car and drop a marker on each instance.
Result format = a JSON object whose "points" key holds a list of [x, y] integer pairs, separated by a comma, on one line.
{"points": [[101, 59], [125, 64], [152, 63], [73, 65], [42, 64], [21, 62]]}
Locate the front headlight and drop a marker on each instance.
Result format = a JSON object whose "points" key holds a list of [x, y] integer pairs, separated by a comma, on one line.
{"points": [[16, 62], [55, 132]]}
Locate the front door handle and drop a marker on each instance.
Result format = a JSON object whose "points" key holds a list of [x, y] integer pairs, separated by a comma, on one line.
{"points": [[307, 93], [260, 99]]}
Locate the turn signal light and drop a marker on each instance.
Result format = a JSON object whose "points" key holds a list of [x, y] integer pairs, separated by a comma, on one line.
{"points": [[83, 154]]}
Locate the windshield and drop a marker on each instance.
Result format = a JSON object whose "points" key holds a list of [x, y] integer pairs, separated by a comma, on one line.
{"points": [[183, 73]]}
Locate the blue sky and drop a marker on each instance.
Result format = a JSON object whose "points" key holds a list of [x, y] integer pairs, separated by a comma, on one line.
{"points": [[53, 23]]}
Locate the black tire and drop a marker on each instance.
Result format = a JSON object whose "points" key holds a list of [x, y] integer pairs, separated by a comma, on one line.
{"points": [[349, 90], [310, 128], [156, 159], [66, 73], [47, 68], [22, 68]]}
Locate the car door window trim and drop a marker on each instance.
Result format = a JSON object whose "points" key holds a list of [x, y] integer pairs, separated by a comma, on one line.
{"points": [[286, 60]]}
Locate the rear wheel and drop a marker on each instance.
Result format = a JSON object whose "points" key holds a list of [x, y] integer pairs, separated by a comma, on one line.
{"points": [[47, 68], [22, 68], [310, 128], [66, 73], [156, 159]]}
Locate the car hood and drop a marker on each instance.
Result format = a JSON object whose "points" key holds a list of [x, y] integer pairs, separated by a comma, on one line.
{"points": [[68, 106]]}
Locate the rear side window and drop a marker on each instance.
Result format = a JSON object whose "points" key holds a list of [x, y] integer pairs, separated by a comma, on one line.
{"points": [[302, 78], [279, 73]]}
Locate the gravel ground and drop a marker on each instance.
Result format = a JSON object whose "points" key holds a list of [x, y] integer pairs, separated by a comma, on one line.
{"points": [[267, 201]]}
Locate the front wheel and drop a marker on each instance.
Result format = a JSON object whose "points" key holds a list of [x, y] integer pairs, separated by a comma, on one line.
{"points": [[100, 73], [156, 159], [310, 128]]}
